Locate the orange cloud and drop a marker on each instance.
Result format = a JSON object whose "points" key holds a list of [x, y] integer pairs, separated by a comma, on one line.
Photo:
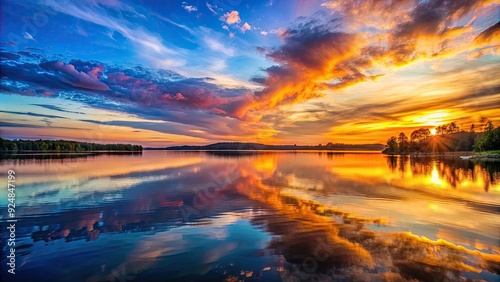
{"points": [[316, 55], [232, 17], [305, 67], [245, 27], [490, 35]]}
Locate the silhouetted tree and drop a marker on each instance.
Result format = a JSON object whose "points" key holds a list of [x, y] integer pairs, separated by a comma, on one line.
{"points": [[403, 143], [440, 130], [417, 137], [420, 135], [452, 128], [483, 122], [489, 126], [392, 145]]}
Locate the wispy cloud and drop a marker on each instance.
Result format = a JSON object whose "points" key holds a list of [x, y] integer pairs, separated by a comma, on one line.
{"points": [[24, 125], [28, 36], [216, 45], [56, 108], [184, 27], [212, 8], [32, 114], [189, 8], [96, 14]]}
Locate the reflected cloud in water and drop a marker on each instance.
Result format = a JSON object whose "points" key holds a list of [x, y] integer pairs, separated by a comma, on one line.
{"points": [[230, 215]]}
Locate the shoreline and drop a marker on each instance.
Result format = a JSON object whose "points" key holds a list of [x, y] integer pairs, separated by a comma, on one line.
{"points": [[472, 155]]}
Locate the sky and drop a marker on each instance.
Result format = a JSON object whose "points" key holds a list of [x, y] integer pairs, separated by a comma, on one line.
{"points": [[162, 73]]}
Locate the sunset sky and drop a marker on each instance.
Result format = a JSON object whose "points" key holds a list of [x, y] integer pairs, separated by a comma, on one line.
{"points": [[161, 73]]}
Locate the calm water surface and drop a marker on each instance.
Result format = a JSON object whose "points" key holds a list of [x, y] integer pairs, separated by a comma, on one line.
{"points": [[269, 216]]}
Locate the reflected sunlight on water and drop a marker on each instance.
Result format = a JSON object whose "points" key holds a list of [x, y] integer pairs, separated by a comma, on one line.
{"points": [[435, 177], [256, 215]]}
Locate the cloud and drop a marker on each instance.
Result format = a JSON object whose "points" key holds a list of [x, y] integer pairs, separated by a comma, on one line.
{"points": [[212, 8], [115, 87], [245, 27], [408, 31], [328, 51], [146, 93], [28, 36], [96, 14], [334, 51], [161, 127], [188, 92], [89, 80], [278, 31], [215, 45], [47, 122], [81, 31], [189, 8], [9, 56], [31, 114], [232, 17], [372, 118], [312, 53], [56, 108], [23, 125], [490, 35]]}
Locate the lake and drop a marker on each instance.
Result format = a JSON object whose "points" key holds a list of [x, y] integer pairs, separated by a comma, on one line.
{"points": [[252, 215]]}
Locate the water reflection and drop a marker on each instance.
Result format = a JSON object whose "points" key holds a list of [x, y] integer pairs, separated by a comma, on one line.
{"points": [[314, 242], [55, 156], [448, 172], [392, 162], [256, 215]]}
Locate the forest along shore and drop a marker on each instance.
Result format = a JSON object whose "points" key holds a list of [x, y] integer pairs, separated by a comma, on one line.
{"points": [[448, 141], [471, 155]]}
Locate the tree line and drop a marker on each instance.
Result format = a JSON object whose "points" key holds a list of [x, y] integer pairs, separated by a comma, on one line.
{"points": [[61, 146], [490, 141], [452, 127], [450, 137]]}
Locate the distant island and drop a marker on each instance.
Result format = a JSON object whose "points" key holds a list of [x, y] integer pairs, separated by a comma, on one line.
{"points": [[235, 146], [446, 139], [14, 146]]}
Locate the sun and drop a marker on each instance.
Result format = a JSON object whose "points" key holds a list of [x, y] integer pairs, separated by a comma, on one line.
{"points": [[433, 131]]}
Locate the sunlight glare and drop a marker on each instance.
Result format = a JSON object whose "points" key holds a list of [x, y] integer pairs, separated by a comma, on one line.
{"points": [[435, 176], [433, 119]]}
